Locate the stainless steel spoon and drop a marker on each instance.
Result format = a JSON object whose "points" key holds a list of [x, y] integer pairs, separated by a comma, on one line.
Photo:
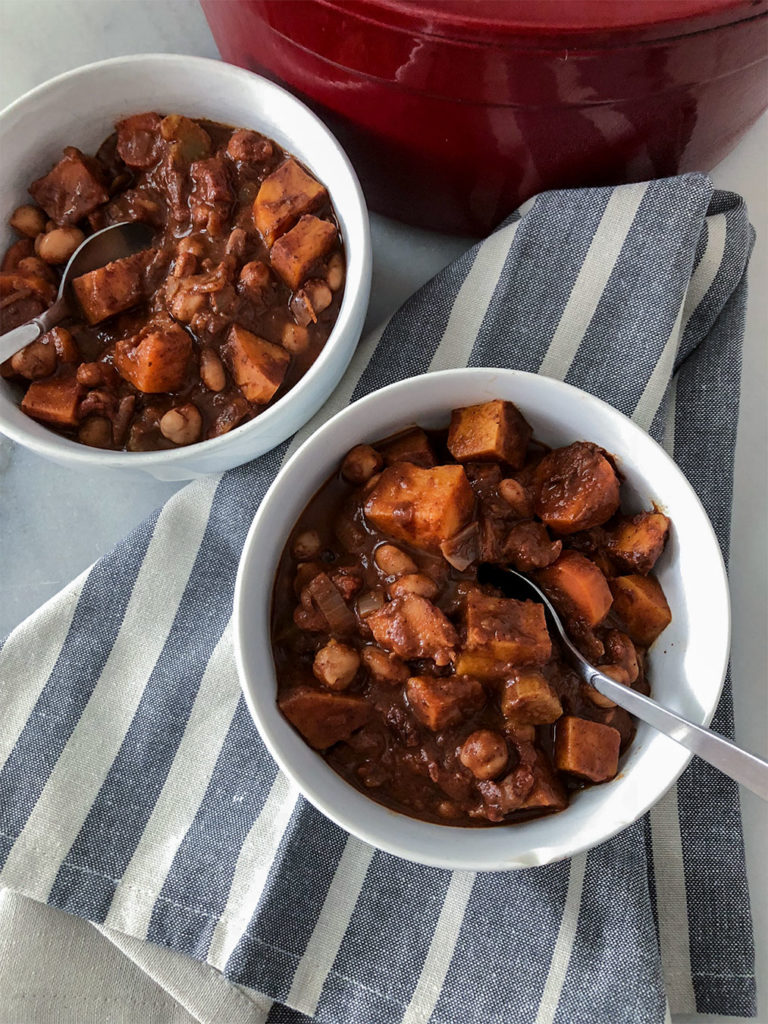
{"points": [[748, 769], [112, 243]]}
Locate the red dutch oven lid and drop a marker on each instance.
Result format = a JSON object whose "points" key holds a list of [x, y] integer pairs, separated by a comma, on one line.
{"points": [[595, 22]]}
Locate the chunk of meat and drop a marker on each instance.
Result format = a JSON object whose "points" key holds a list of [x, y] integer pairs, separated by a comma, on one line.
{"points": [[507, 631], [639, 603], [528, 546], [211, 180], [284, 196], [575, 488], [587, 749], [54, 401], [295, 253], [324, 718], [413, 627], [248, 147], [71, 190], [493, 431], [409, 446], [636, 542], [507, 795], [577, 588], [439, 702], [528, 699], [547, 790], [258, 366], [114, 287], [139, 142], [421, 507], [156, 360]]}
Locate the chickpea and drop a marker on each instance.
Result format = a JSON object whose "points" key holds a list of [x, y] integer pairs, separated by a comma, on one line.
{"points": [[484, 753], [295, 338], [517, 497], [236, 242], [336, 665], [392, 561], [36, 267], [212, 370], [385, 668], [334, 272], [58, 245], [65, 345], [254, 277], [95, 431], [414, 583], [192, 245], [595, 697], [182, 425], [616, 672], [306, 545], [34, 361], [360, 463], [28, 220], [319, 295]]}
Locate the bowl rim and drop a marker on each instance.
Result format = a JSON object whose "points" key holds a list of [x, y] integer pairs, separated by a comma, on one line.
{"points": [[377, 834], [357, 286]]}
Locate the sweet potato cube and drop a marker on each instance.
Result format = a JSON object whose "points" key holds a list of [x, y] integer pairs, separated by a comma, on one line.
{"points": [[324, 718], [413, 627], [421, 507], [493, 431], [481, 665], [587, 749], [577, 588], [114, 287], [575, 488], [409, 446], [506, 630], [640, 604], [636, 542], [258, 366], [53, 401], [441, 702], [156, 360], [548, 791], [284, 196], [294, 254], [530, 700], [71, 190]]}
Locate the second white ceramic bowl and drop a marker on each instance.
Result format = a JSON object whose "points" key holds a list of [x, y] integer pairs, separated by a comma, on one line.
{"points": [[686, 666], [79, 108]]}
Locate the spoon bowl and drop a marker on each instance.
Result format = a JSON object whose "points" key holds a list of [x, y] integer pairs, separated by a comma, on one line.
{"points": [[102, 247], [748, 769]]}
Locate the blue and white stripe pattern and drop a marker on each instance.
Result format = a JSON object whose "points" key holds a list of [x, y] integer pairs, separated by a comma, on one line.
{"points": [[135, 791]]}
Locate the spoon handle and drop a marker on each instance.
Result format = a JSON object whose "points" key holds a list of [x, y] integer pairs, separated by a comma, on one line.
{"points": [[12, 341], [748, 769]]}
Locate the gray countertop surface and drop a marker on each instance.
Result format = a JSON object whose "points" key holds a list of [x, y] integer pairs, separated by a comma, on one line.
{"points": [[54, 522]]}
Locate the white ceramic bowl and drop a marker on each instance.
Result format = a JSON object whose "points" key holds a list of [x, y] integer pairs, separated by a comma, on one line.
{"points": [[687, 664], [80, 108]]}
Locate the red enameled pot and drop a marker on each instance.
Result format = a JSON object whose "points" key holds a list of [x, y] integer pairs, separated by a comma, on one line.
{"points": [[455, 112]]}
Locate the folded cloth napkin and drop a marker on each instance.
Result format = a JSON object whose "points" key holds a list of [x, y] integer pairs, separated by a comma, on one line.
{"points": [[135, 790]]}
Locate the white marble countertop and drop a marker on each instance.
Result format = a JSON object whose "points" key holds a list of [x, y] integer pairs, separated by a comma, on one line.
{"points": [[37, 557]]}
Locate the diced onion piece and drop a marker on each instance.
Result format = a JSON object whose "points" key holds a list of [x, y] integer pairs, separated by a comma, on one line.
{"points": [[369, 603], [463, 548], [331, 604]]}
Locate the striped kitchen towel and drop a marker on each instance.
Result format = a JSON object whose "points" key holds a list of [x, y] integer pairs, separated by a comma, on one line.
{"points": [[135, 791]]}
